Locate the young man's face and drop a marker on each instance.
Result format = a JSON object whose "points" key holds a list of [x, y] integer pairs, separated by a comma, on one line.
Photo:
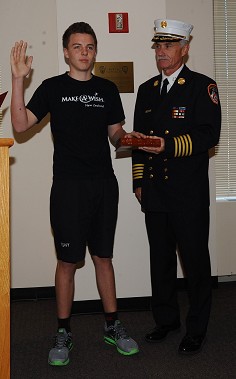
{"points": [[80, 52], [169, 56]]}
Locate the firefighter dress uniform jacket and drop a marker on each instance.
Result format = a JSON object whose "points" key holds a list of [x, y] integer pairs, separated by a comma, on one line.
{"points": [[189, 119]]}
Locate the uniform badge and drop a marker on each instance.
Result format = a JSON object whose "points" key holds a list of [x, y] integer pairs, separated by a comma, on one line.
{"points": [[213, 93], [181, 81], [178, 112], [163, 24], [155, 83]]}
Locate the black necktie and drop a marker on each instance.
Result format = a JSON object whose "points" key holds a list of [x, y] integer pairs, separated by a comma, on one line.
{"points": [[164, 88]]}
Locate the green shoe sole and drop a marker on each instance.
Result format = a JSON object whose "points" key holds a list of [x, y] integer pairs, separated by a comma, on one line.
{"points": [[110, 341]]}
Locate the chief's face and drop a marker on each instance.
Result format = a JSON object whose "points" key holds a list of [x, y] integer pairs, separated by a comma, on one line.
{"points": [[169, 56]]}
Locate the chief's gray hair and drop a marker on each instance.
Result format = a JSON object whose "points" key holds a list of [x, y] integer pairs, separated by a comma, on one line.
{"points": [[183, 42]]}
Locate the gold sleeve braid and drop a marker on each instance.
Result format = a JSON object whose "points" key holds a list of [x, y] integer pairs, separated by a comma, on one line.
{"points": [[183, 146], [138, 171]]}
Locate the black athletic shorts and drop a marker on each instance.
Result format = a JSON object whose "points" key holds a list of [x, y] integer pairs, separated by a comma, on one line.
{"points": [[84, 213]]}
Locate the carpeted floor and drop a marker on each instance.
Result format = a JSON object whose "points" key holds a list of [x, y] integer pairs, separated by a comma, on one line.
{"points": [[33, 324]]}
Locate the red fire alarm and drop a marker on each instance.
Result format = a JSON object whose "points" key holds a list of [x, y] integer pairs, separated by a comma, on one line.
{"points": [[118, 23]]}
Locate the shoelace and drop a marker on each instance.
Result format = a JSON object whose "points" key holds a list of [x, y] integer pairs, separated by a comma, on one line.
{"points": [[60, 340], [121, 332]]}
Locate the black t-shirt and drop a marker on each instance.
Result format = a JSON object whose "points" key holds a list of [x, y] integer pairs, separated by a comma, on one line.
{"points": [[80, 112]]}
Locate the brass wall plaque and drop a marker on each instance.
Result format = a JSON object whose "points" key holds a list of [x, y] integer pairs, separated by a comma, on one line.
{"points": [[121, 73]]}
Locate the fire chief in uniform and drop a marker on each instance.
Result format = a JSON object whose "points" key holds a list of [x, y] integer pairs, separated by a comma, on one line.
{"points": [[181, 108]]}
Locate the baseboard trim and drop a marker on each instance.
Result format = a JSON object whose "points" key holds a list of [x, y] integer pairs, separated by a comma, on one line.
{"points": [[33, 293], [93, 306]]}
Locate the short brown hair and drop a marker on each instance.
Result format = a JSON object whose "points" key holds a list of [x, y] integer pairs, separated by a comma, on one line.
{"points": [[78, 27]]}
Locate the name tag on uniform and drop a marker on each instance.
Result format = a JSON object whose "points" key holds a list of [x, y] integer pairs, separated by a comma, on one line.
{"points": [[178, 112]]}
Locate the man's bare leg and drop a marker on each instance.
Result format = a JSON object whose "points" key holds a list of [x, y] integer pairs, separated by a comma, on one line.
{"points": [[65, 288], [105, 278], [64, 283]]}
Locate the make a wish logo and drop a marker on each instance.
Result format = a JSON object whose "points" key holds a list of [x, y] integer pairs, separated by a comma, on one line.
{"points": [[84, 99]]}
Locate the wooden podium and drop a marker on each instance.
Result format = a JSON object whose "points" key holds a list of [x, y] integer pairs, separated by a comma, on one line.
{"points": [[5, 143]]}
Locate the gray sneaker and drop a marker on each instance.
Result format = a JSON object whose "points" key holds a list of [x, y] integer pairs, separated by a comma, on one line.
{"points": [[59, 354], [118, 336]]}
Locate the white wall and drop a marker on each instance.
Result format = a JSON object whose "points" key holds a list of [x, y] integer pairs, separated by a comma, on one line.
{"points": [[32, 249], [42, 24]]}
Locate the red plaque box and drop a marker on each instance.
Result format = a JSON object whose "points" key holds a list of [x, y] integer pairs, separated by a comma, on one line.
{"points": [[134, 143]]}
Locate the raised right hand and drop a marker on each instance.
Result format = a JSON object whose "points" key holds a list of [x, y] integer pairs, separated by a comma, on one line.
{"points": [[20, 63]]}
